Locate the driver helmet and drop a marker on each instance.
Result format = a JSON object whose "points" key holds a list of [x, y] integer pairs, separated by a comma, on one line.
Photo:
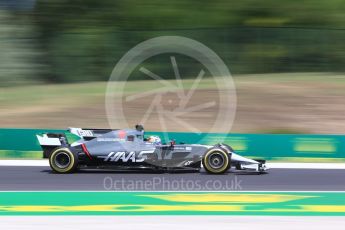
{"points": [[154, 140]]}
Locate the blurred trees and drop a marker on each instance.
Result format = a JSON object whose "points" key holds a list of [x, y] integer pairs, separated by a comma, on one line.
{"points": [[19, 52], [83, 39]]}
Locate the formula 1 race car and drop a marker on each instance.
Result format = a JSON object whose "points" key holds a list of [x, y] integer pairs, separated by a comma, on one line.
{"points": [[128, 149]]}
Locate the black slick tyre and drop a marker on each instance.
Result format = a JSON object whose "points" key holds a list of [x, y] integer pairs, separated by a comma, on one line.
{"points": [[62, 160], [216, 161]]}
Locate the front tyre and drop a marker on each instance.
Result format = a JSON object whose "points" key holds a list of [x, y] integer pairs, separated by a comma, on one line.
{"points": [[62, 160], [216, 161]]}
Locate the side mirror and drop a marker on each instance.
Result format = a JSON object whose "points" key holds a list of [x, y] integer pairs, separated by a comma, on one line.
{"points": [[172, 143]]}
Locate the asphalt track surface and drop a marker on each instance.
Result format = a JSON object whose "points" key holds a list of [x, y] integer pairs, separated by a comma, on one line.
{"points": [[38, 178]]}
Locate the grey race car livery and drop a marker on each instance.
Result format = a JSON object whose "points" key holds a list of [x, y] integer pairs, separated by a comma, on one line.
{"points": [[127, 149]]}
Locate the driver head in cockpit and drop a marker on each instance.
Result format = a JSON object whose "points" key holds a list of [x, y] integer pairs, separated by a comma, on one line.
{"points": [[154, 140]]}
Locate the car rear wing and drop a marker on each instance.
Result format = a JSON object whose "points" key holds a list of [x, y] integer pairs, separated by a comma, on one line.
{"points": [[88, 134], [50, 141]]}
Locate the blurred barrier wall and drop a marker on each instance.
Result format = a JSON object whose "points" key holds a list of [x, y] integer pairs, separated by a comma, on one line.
{"points": [[22, 143]]}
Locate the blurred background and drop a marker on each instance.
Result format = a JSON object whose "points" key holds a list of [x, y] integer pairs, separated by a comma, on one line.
{"points": [[287, 58]]}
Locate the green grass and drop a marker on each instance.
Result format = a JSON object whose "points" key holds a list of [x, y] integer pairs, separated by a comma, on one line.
{"points": [[330, 78], [260, 97], [20, 155], [77, 93], [25, 95]]}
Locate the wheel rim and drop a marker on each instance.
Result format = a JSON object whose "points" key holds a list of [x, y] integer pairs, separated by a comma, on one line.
{"points": [[62, 160], [216, 160]]}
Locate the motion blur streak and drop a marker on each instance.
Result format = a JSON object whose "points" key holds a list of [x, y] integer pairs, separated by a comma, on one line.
{"points": [[47, 42]]}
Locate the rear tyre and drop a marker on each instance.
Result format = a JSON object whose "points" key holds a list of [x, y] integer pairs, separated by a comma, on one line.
{"points": [[62, 160], [216, 161]]}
